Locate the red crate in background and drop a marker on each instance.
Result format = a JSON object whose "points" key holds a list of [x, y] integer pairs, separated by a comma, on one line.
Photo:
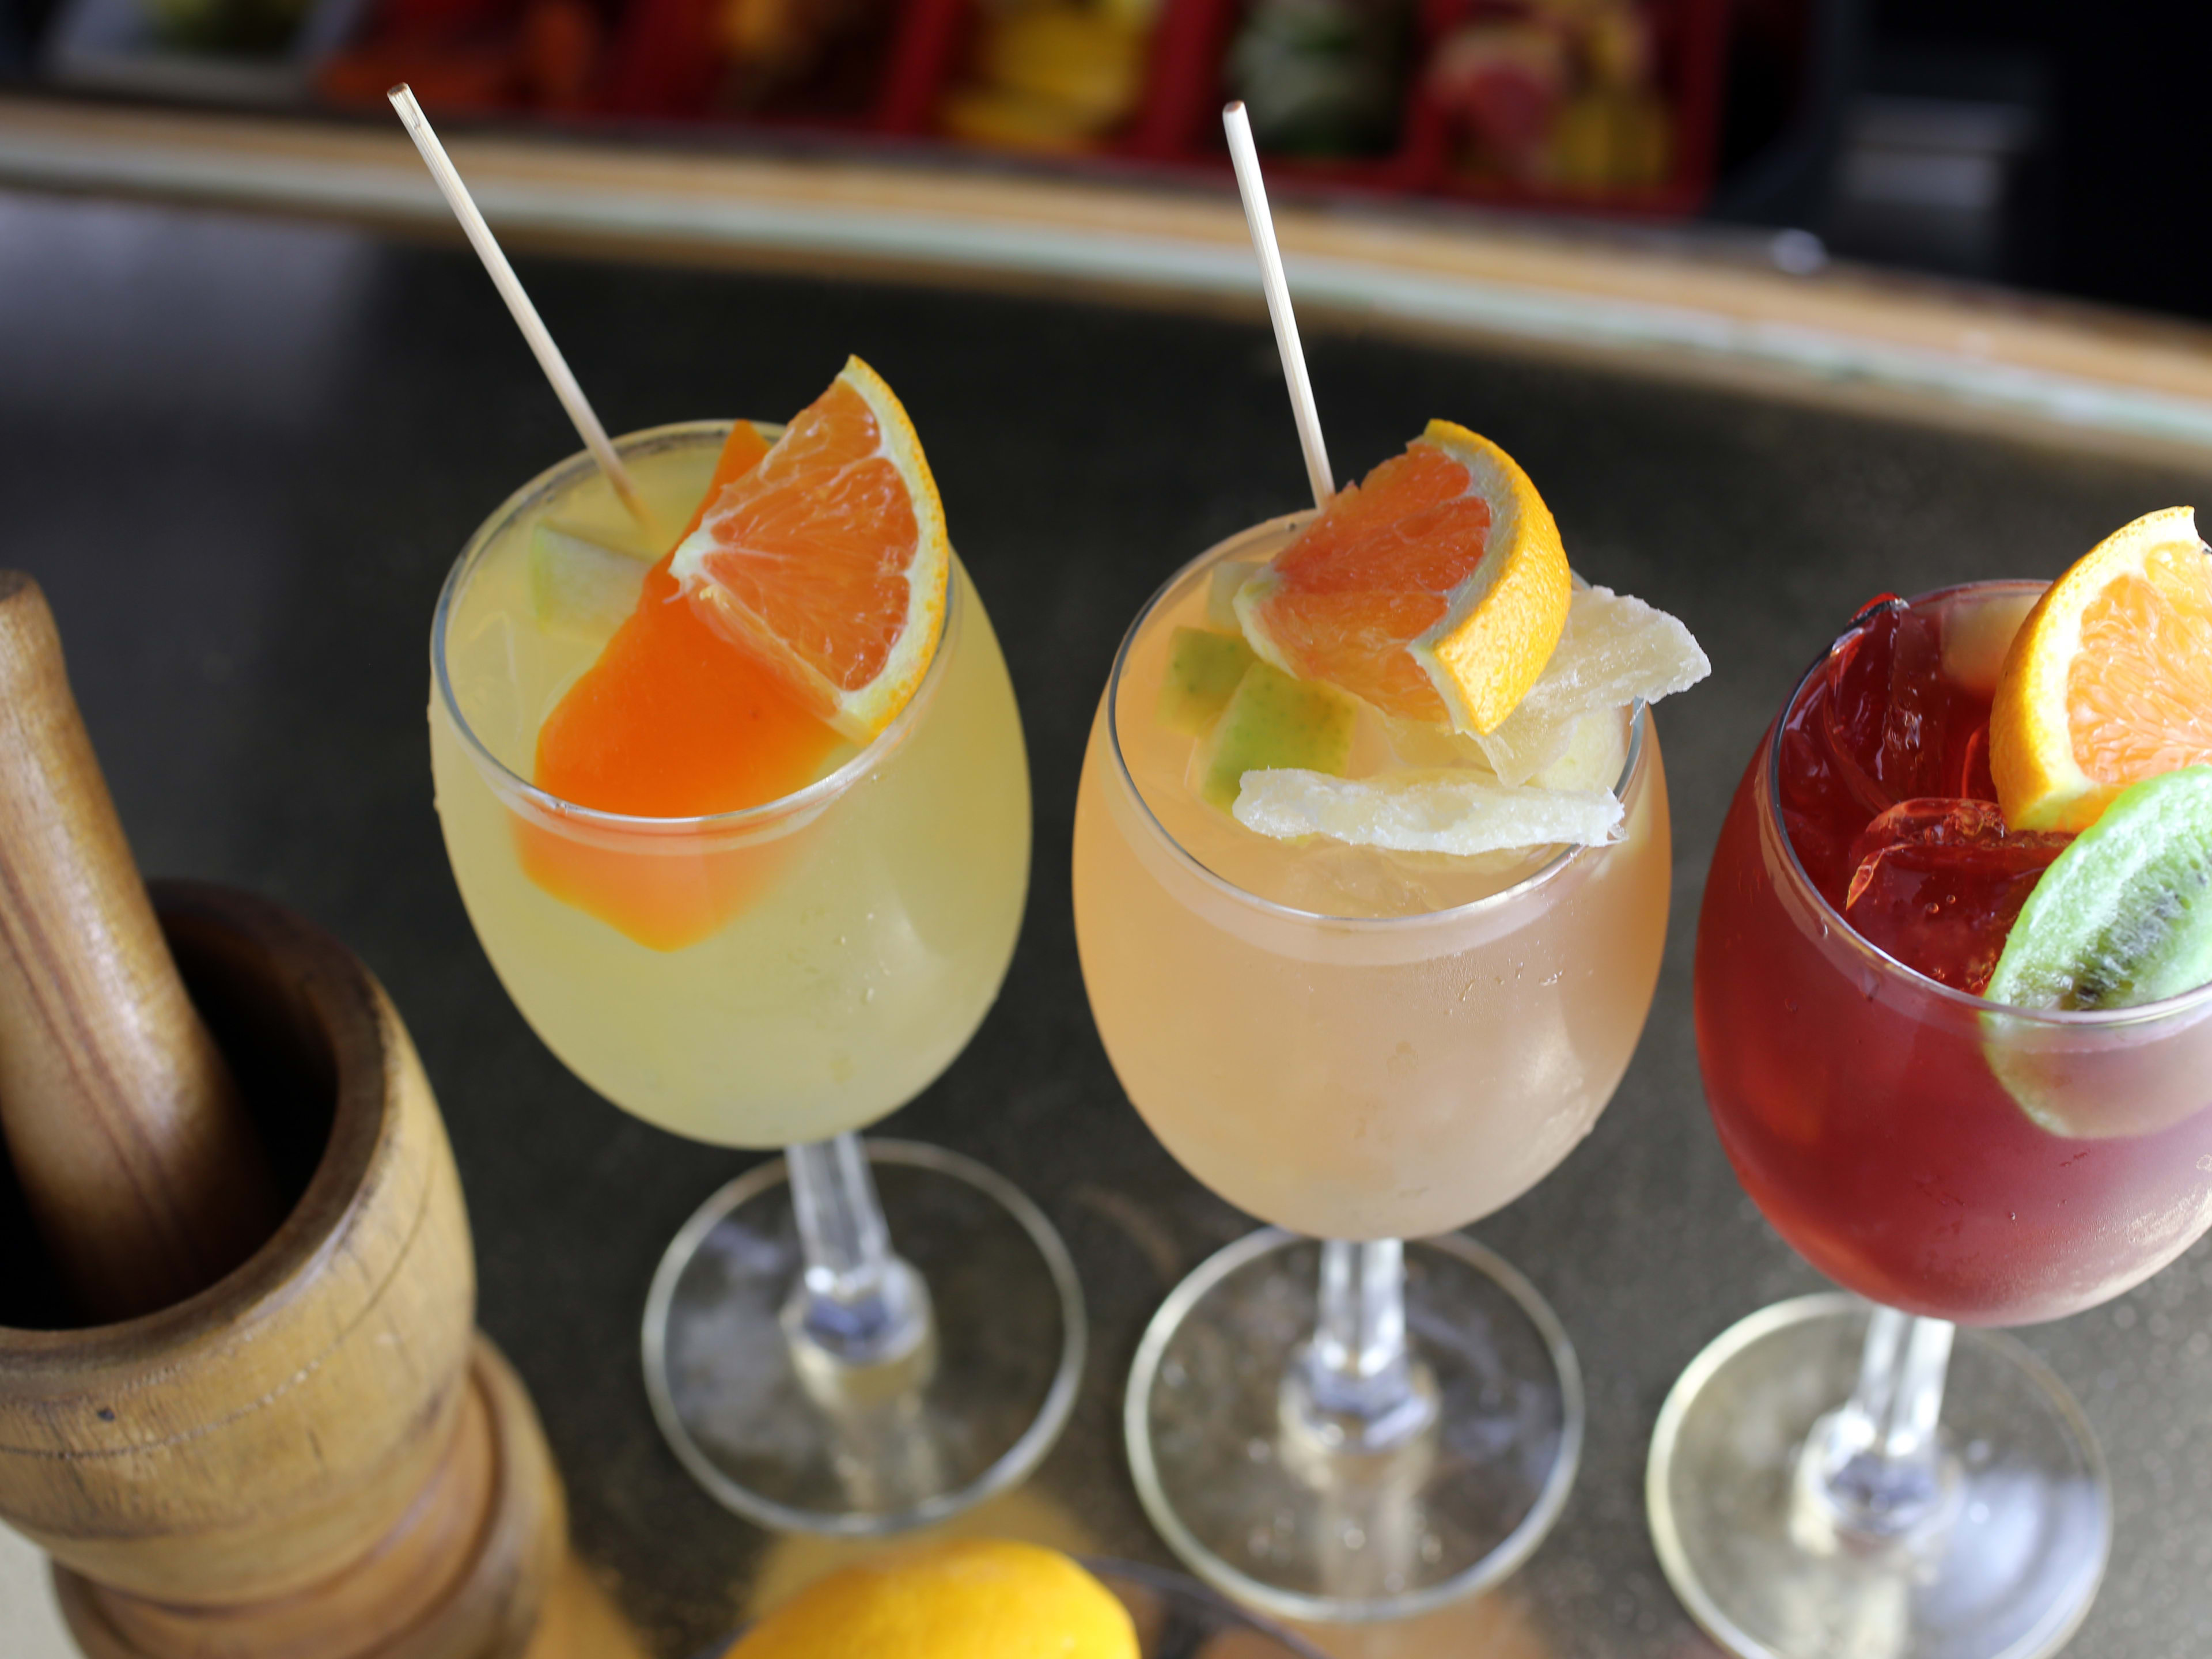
{"points": [[1689, 45], [891, 72], [668, 63]]}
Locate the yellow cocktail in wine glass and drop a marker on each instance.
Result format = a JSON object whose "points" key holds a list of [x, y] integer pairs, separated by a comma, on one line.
{"points": [[763, 914]]}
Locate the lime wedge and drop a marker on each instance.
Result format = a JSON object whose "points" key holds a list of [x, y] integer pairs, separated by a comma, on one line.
{"points": [[2123, 916]]}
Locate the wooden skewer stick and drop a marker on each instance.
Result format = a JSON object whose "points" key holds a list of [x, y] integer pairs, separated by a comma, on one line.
{"points": [[565, 386], [139, 1164], [1245, 157]]}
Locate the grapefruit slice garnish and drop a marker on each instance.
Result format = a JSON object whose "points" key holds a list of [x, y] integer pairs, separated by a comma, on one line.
{"points": [[2109, 680], [828, 563], [1435, 589]]}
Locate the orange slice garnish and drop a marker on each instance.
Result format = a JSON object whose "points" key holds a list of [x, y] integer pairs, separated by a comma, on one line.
{"points": [[829, 561], [1435, 589], [672, 722], [2109, 680]]}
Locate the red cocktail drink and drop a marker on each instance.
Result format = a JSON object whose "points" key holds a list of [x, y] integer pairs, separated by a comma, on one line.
{"points": [[1829, 1477], [1926, 1148]]}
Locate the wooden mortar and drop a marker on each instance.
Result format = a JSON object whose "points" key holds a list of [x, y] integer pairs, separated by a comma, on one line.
{"points": [[315, 1457], [242, 1401]]}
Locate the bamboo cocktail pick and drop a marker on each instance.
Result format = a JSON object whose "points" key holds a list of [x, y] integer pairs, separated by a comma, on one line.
{"points": [[141, 1173], [586, 422], [1244, 157]]}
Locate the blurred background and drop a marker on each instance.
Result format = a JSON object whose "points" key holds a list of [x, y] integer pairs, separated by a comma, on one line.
{"points": [[2043, 143]]}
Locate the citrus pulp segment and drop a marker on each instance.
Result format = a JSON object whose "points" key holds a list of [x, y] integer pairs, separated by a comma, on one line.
{"points": [[669, 721], [829, 561], [2109, 680], [1435, 589]]}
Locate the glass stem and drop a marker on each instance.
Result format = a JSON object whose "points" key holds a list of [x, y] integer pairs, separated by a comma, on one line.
{"points": [[857, 1302], [1356, 1386], [1876, 1465]]}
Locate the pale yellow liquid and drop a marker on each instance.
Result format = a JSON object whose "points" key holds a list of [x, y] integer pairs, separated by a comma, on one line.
{"points": [[862, 967], [1374, 1072]]}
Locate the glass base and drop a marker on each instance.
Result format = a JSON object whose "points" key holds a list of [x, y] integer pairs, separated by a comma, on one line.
{"points": [[1263, 1508], [863, 1450], [2005, 1570]]}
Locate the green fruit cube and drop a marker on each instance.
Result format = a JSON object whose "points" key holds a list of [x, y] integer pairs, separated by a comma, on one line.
{"points": [[1273, 721], [1203, 671]]}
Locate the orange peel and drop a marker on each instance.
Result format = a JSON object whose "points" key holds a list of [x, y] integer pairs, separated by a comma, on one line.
{"points": [[830, 561]]}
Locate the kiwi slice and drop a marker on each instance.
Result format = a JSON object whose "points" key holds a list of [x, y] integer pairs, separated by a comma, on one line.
{"points": [[2124, 915], [1203, 671], [1272, 720]]}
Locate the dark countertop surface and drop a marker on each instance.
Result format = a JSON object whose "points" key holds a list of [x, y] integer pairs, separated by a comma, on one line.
{"points": [[241, 455]]}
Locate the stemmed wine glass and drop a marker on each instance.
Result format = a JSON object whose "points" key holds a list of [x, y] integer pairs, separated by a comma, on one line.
{"points": [[857, 1337], [1356, 1412], [1835, 1475]]}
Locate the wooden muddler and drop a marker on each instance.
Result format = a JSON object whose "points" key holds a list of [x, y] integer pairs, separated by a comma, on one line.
{"points": [[141, 1170]]}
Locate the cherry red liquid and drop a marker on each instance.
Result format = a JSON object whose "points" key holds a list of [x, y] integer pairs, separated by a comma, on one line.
{"points": [[1852, 1088]]}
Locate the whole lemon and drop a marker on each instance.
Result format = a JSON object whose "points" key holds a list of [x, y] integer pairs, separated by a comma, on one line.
{"points": [[968, 1599]]}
